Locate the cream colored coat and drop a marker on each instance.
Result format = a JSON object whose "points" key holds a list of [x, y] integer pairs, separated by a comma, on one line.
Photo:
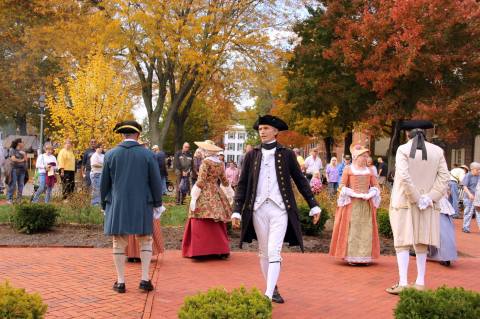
{"points": [[413, 178]]}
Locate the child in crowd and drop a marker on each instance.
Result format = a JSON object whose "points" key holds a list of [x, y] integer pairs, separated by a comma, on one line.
{"points": [[316, 183]]}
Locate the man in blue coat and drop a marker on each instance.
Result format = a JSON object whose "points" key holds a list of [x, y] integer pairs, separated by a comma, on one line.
{"points": [[131, 194]]}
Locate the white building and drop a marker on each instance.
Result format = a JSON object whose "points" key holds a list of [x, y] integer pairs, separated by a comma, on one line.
{"points": [[234, 141]]}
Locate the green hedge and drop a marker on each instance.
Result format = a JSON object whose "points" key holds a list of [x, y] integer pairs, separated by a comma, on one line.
{"points": [[308, 228], [32, 218], [443, 303], [218, 303], [383, 221], [15, 303]]}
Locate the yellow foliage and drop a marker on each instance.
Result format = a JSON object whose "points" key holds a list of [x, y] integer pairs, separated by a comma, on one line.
{"points": [[89, 105]]}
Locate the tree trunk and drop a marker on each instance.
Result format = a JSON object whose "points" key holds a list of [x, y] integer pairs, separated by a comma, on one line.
{"points": [[179, 133], [21, 124], [154, 128], [328, 147], [393, 145], [347, 142]]}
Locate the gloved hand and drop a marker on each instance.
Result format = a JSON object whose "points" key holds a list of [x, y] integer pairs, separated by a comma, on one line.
{"points": [[424, 202], [158, 211]]}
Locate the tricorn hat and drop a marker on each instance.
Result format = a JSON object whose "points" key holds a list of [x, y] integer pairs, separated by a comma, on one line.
{"points": [[415, 124], [209, 145], [127, 127], [271, 120]]}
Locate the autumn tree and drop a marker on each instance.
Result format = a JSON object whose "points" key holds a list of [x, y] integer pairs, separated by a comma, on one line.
{"points": [[89, 104], [419, 57], [178, 48], [325, 98]]}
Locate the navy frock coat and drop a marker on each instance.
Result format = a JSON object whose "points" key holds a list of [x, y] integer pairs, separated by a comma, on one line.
{"points": [[130, 188]]}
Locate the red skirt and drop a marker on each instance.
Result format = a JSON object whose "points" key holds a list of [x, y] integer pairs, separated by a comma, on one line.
{"points": [[133, 249], [204, 237]]}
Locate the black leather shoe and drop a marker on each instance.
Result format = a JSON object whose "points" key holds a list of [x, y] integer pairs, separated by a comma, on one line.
{"points": [[146, 285], [445, 263], [120, 288], [276, 296]]}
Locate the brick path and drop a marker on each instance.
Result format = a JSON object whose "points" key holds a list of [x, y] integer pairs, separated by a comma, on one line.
{"points": [[76, 282]]}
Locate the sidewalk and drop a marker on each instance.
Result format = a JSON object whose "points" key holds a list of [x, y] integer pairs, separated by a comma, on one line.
{"points": [[76, 282]]}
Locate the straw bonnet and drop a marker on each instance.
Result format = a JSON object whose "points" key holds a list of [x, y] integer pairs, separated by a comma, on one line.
{"points": [[357, 150], [209, 145]]}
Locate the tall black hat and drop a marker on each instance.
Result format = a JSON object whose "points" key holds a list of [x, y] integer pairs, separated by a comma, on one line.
{"points": [[418, 139], [127, 127], [271, 120], [415, 124]]}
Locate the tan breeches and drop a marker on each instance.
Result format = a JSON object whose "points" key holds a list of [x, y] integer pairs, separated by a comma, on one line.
{"points": [[419, 248], [121, 241]]}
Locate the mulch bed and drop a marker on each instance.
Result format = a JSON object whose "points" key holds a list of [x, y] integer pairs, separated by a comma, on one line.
{"points": [[92, 236]]}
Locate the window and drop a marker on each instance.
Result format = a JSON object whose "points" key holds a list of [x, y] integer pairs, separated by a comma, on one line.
{"points": [[231, 135], [231, 146], [241, 136], [458, 156], [240, 147], [230, 158]]}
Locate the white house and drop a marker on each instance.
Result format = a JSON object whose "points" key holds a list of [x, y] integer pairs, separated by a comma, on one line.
{"points": [[234, 141]]}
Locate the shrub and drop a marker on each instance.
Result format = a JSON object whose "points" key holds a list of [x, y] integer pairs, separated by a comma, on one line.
{"points": [[443, 303], [308, 228], [31, 218], [383, 221], [218, 303], [16, 303]]}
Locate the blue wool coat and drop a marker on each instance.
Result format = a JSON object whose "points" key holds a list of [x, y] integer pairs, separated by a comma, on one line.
{"points": [[130, 187]]}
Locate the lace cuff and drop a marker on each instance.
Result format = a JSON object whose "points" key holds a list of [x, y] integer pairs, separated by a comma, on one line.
{"points": [[374, 194]]}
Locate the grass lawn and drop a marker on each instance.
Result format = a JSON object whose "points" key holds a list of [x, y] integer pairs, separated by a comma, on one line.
{"points": [[89, 215], [5, 211], [174, 216]]}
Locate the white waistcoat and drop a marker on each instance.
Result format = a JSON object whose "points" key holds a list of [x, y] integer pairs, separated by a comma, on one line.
{"points": [[267, 187]]}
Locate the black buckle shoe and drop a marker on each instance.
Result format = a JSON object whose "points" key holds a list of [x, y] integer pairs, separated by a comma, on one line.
{"points": [[276, 296], [146, 285], [120, 288]]}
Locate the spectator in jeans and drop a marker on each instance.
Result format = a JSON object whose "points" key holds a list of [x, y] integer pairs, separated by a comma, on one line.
{"points": [[347, 160], [86, 167], [96, 165], [470, 182], [160, 158], [197, 161], [46, 166], [183, 167], [456, 177], [382, 171], [2, 162], [19, 167], [331, 173]]}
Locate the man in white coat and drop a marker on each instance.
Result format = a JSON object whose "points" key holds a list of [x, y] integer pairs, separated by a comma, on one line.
{"points": [[421, 180]]}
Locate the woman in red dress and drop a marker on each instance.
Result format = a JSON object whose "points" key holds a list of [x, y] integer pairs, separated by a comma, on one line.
{"points": [[206, 229]]}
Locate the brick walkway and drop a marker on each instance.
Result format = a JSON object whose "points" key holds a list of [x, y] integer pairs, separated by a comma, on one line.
{"points": [[76, 282]]}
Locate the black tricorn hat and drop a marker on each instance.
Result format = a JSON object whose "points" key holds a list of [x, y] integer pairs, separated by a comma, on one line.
{"points": [[127, 127], [415, 124], [271, 120]]}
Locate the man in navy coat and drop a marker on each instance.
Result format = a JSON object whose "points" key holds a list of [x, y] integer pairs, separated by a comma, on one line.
{"points": [[131, 193]]}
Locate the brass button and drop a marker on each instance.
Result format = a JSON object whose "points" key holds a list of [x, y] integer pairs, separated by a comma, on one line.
{"points": [[279, 155], [288, 206], [279, 161], [280, 167]]}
